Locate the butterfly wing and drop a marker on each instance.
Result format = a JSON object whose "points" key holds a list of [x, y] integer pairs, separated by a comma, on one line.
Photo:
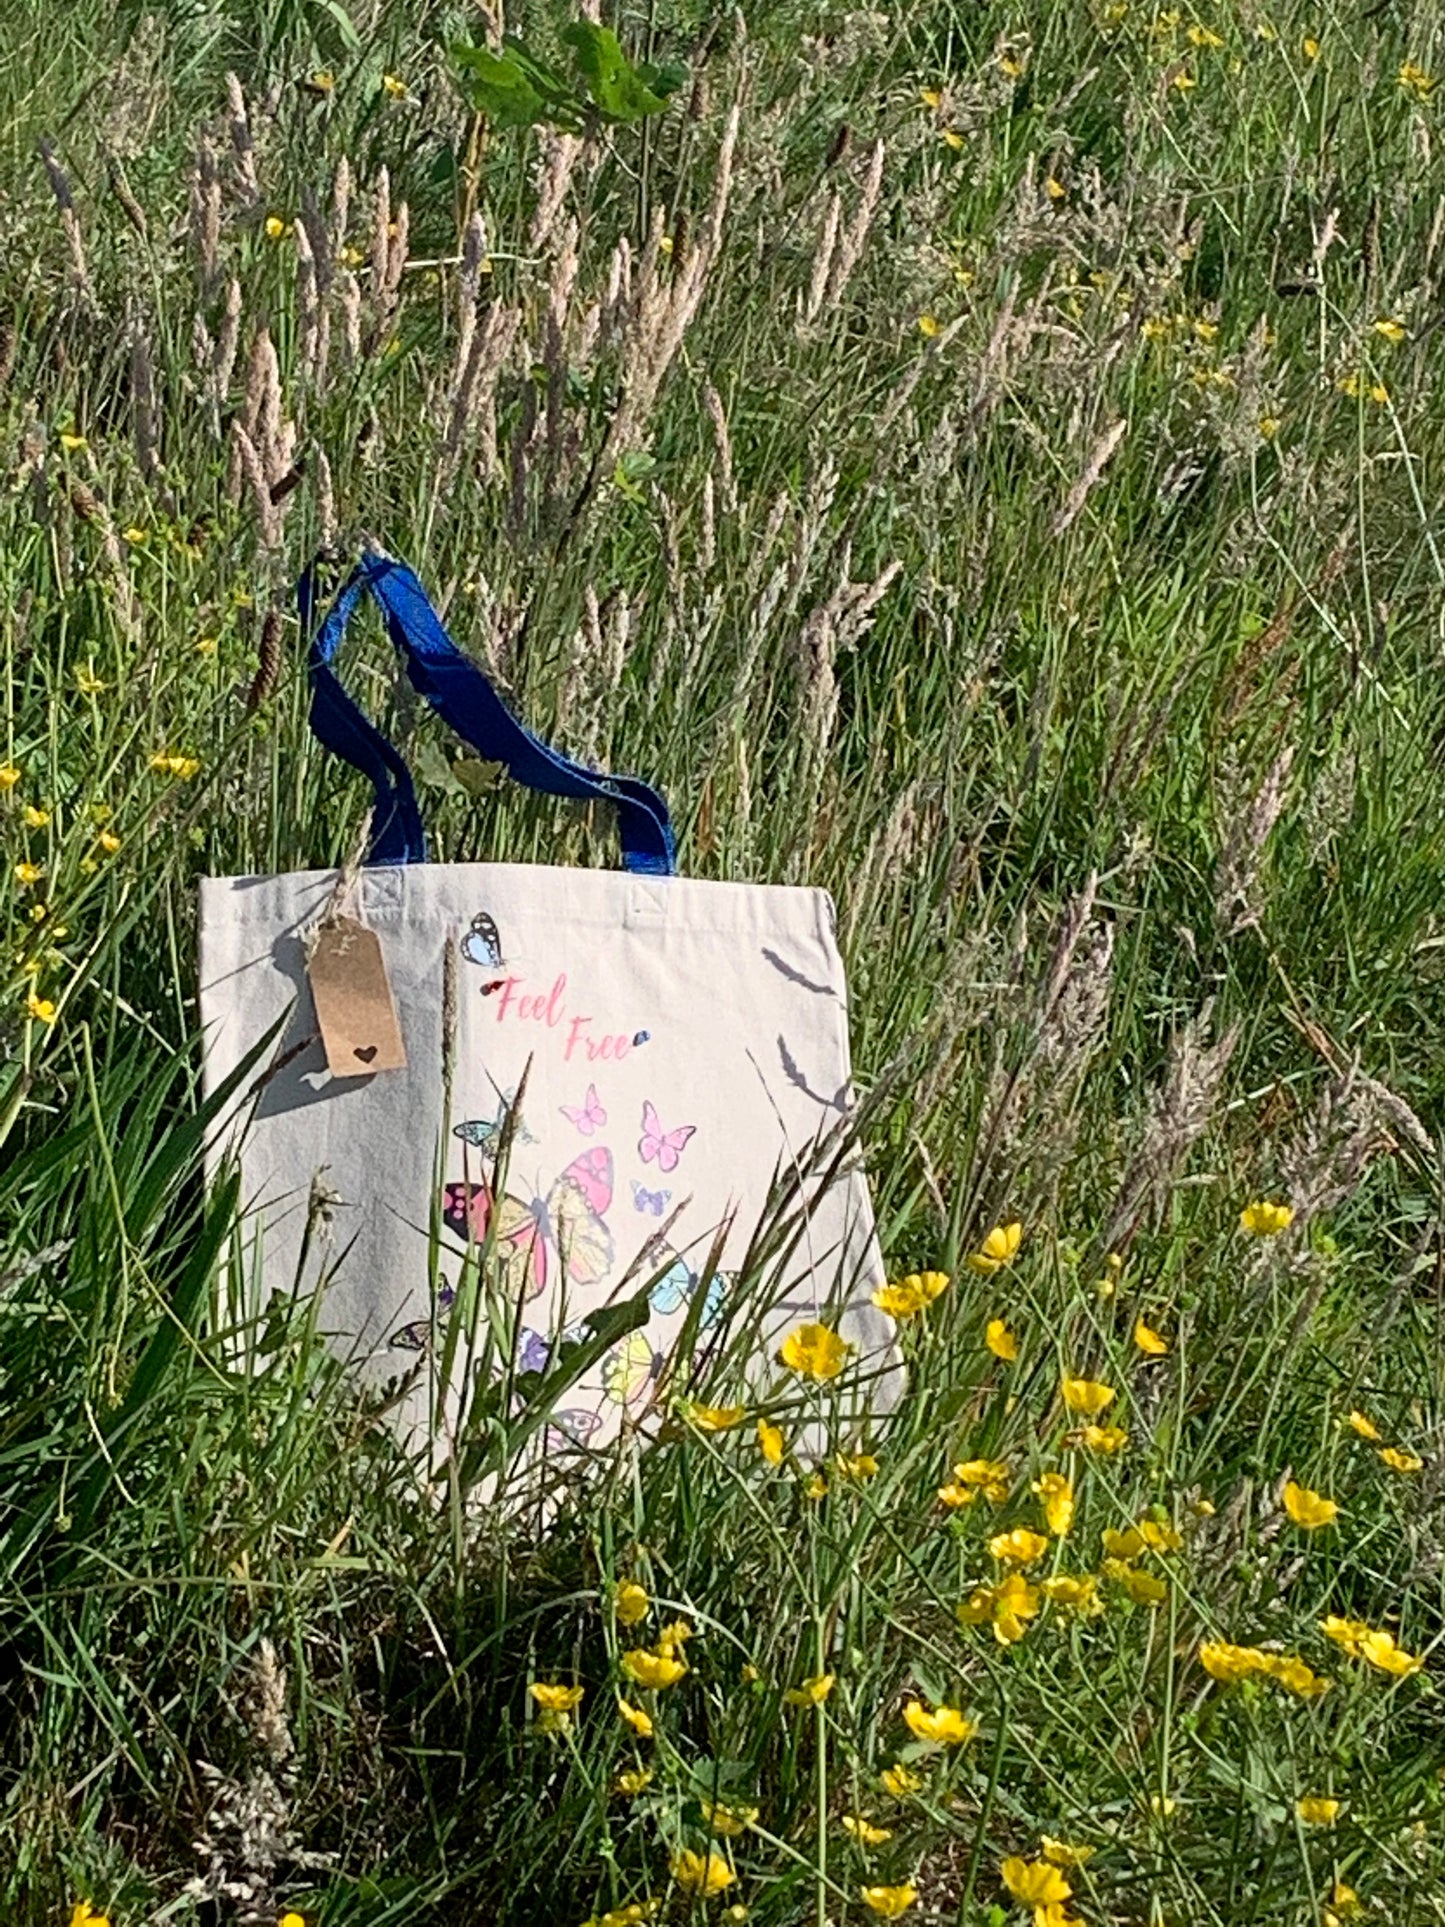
{"points": [[534, 1353], [592, 1173], [672, 1145], [522, 1248], [572, 1427], [629, 1369], [477, 1131], [672, 1290], [583, 1240], [483, 944], [467, 1210]]}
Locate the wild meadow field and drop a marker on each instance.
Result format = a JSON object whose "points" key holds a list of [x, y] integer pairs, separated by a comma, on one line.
{"points": [[983, 460]]}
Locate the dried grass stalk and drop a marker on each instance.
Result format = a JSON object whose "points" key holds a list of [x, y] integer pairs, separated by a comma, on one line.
{"points": [[1099, 457], [204, 217], [1236, 878], [243, 152], [69, 221]]}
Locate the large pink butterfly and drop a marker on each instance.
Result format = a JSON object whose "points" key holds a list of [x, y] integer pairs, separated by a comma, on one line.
{"points": [[588, 1117], [665, 1146], [567, 1224]]}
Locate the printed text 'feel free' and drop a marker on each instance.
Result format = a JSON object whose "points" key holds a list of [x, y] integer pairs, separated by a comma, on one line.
{"points": [[547, 1008]]}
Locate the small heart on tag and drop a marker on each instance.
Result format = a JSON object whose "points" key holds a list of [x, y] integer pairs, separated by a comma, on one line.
{"points": [[365, 1052]]}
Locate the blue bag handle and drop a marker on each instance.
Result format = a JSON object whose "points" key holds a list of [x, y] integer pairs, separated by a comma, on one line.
{"points": [[464, 699]]}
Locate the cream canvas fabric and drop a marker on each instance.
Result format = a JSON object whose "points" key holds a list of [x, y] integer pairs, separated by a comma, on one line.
{"points": [[684, 1046]]}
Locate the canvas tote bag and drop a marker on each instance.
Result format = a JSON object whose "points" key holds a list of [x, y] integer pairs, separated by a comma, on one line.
{"points": [[681, 1049]]}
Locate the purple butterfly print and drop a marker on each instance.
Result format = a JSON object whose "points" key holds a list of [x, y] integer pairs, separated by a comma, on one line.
{"points": [[589, 1116], [644, 1200]]}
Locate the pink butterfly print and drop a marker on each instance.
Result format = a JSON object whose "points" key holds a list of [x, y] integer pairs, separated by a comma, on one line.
{"points": [[588, 1117], [532, 1236], [665, 1146]]}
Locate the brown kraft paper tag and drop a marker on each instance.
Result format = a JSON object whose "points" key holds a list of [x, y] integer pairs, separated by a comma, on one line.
{"points": [[353, 1000]]}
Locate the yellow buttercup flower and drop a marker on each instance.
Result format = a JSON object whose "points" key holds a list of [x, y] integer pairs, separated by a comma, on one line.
{"points": [[997, 1249], [1057, 1495], [715, 1418], [1202, 37], [988, 1476], [1087, 1396], [29, 873], [1148, 1340], [9, 777], [1344, 1632], [1316, 1811], [903, 1300], [630, 1603], [136, 537], [657, 1670], [900, 1780], [1001, 1341], [1291, 1672], [87, 682], [168, 763], [1183, 81], [814, 1351], [633, 1780], [812, 1692], [1265, 1220], [393, 86], [699, 1873], [952, 138], [40, 1009], [1078, 1594], [770, 1442], [1007, 1606], [1379, 1650], [1399, 1461], [1310, 47], [84, 1915], [816, 1488], [1366, 1427], [1228, 1664], [1308, 1509], [1063, 1855], [944, 1726], [865, 1830], [888, 1902], [1103, 1439], [1055, 190], [556, 1699], [1344, 1900], [34, 819], [276, 227], [673, 1636], [108, 841], [1034, 1883], [1142, 1587], [858, 1465], [929, 327], [1414, 80], [1390, 329], [640, 1722], [932, 97], [632, 1914], [1019, 1547], [727, 1820]]}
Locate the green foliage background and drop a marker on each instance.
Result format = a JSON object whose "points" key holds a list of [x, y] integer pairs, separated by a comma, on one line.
{"points": [[1067, 601]]}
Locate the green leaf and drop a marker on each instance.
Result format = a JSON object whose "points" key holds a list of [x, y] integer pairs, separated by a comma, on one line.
{"points": [[506, 88], [619, 89]]}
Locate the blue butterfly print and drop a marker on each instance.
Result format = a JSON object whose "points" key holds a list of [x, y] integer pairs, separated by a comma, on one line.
{"points": [[483, 1132], [482, 944], [672, 1289], [645, 1200]]}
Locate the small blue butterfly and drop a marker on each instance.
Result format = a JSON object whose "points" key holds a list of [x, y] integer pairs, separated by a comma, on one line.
{"points": [[485, 1131], [641, 1036], [482, 944], [645, 1200], [673, 1288]]}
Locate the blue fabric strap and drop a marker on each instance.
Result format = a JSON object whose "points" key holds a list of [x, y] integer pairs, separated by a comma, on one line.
{"points": [[468, 704]]}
